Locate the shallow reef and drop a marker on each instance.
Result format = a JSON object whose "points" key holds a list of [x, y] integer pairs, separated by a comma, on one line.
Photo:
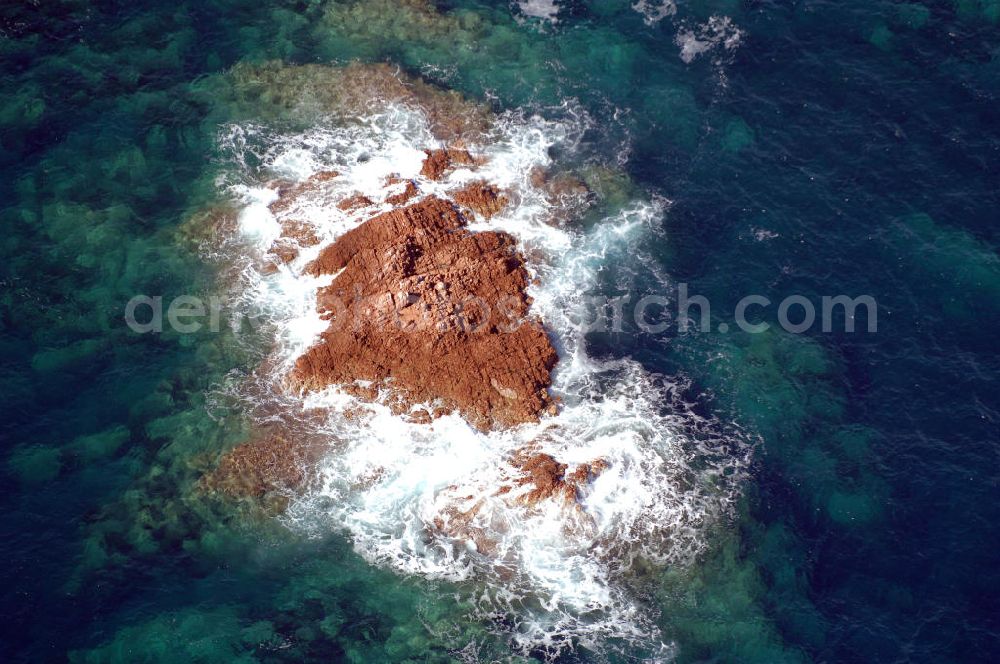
{"points": [[800, 149]]}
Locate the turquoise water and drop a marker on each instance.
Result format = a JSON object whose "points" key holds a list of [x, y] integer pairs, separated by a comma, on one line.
{"points": [[808, 148]]}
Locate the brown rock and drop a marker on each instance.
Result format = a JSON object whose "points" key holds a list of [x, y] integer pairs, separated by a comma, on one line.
{"points": [[355, 202], [568, 194], [294, 236], [273, 463], [587, 472], [324, 176], [548, 479], [481, 197], [409, 191], [434, 312], [439, 162], [369, 478], [288, 193], [282, 252], [565, 186], [538, 177], [420, 416], [208, 227], [538, 478], [301, 233], [355, 90], [459, 523]]}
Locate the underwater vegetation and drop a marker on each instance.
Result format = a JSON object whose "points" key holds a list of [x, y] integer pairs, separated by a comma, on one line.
{"points": [[773, 148]]}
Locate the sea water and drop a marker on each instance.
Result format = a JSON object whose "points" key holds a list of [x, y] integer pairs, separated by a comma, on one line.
{"points": [[824, 496]]}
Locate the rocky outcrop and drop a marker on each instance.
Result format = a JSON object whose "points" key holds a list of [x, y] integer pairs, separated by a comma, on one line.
{"points": [[406, 191], [355, 202], [426, 311], [424, 315], [480, 197], [439, 162], [544, 478]]}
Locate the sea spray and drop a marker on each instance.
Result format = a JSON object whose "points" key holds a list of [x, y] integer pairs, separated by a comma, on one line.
{"points": [[558, 573]]}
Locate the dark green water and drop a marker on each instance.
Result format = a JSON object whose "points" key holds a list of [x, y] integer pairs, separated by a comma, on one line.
{"points": [[837, 148]]}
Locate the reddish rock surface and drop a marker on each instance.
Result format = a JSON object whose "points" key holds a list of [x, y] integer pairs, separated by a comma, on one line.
{"points": [[281, 252], [434, 312], [547, 479], [539, 480], [481, 197], [288, 194], [458, 523], [355, 202], [439, 162], [409, 191], [273, 463], [295, 235]]}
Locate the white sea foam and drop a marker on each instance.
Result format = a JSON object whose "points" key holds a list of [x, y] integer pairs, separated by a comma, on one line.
{"points": [[543, 9], [763, 234], [400, 488], [654, 11], [719, 33]]}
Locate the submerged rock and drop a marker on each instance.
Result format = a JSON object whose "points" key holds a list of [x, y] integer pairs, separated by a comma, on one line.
{"points": [[288, 194], [35, 464], [532, 482], [272, 463], [313, 91]]}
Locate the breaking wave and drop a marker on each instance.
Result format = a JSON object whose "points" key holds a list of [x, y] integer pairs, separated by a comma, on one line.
{"points": [[427, 499]]}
